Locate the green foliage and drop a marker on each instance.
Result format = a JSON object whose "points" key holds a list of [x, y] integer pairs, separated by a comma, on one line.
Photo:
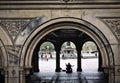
{"points": [[89, 46], [47, 46], [65, 44]]}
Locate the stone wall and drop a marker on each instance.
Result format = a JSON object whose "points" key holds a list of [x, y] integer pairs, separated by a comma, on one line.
{"points": [[17, 23]]}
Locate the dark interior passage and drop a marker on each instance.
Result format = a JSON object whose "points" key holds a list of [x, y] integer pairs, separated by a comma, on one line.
{"points": [[57, 38]]}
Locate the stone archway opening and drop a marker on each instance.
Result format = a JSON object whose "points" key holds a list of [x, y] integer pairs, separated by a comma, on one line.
{"points": [[3, 63], [70, 47], [90, 57], [68, 55], [47, 57], [2, 77], [71, 24]]}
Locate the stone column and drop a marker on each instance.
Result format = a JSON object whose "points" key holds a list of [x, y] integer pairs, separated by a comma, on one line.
{"points": [[22, 76], [24, 72], [35, 59], [99, 60], [57, 49], [111, 78], [79, 69], [12, 75], [6, 74], [57, 61], [35, 62], [3, 75]]}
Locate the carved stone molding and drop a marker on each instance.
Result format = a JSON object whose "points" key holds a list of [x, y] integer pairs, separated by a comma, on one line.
{"points": [[13, 53], [0, 58], [114, 24], [59, 4], [14, 26], [117, 70], [17, 27], [31, 26]]}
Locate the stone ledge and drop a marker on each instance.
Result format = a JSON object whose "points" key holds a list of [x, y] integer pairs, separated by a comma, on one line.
{"points": [[60, 4]]}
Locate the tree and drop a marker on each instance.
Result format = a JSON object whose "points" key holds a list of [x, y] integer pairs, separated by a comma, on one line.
{"points": [[89, 46], [47, 46]]}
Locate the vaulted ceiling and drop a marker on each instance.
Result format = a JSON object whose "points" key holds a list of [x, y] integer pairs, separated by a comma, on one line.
{"points": [[63, 35]]}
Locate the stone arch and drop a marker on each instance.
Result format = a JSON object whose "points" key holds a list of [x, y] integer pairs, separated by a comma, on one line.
{"points": [[101, 59], [3, 63], [75, 23], [3, 55], [4, 36], [35, 58]]}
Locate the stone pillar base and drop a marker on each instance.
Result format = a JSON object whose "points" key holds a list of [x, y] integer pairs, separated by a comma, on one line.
{"points": [[79, 70], [58, 70]]}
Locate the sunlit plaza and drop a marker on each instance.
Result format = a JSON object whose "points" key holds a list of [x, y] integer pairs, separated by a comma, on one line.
{"points": [[88, 65], [68, 54], [89, 74], [47, 63]]}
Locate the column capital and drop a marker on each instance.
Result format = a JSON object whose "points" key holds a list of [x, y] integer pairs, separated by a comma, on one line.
{"points": [[57, 48], [57, 69], [27, 70], [78, 47]]}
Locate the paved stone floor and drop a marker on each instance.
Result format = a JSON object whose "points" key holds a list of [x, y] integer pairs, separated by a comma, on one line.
{"points": [[47, 72], [62, 77]]}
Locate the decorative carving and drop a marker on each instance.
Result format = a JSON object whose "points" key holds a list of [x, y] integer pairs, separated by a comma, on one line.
{"points": [[13, 72], [34, 24], [13, 53], [114, 24], [14, 26], [20, 27], [117, 69]]}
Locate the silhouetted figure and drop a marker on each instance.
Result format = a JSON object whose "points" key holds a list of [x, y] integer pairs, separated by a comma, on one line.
{"points": [[46, 57], [50, 55], [63, 57], [68, 68], [42, 56]]}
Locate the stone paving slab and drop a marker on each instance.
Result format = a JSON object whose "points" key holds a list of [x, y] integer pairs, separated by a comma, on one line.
{"points": [[68, 78]]}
